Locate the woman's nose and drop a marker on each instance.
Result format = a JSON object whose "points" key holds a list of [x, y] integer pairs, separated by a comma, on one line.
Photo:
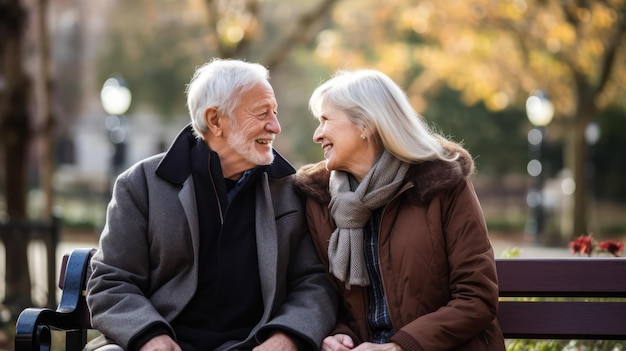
{"points": [[317, 134]]}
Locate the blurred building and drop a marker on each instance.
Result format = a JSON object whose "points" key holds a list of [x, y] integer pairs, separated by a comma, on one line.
{"points": [[84, 151]]}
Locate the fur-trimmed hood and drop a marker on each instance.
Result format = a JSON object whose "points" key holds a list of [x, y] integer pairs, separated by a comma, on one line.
{"points": [[428, 177]]}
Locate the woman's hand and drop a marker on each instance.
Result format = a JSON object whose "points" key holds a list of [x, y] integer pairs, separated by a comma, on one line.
{"points": [[368, 346], [337, 342]]}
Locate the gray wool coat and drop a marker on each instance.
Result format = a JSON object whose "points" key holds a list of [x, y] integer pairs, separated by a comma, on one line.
{"points": [[145, 269]]}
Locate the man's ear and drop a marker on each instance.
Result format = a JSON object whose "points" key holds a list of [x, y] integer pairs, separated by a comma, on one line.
{"points": [[212, 119]]}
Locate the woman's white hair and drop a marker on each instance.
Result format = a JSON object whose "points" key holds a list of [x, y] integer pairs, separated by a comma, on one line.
{"points": [[373, 101], [219, 83]]}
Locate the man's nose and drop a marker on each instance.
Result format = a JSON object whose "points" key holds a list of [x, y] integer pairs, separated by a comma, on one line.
{"points": [[273, 125]]}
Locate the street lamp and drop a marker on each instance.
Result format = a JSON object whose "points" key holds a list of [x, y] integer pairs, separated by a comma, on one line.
{"points": [[592, 135], [115, 98], [540, 111]]}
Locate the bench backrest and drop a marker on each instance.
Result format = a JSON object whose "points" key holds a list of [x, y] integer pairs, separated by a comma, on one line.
{"points": [[34, 325], [540, 298], [562, 298], [546, 298], [75, 269]]}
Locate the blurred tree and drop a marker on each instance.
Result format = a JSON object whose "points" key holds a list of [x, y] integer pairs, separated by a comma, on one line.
{"points": [[15, 136], [479, 130], [265, 30], [46, 119], [497, 52], [160, 52], [607, 165], [156, 55]]}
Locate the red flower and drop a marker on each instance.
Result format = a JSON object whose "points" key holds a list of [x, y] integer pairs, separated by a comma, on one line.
{"points": [[583, 245], [612, 247]]}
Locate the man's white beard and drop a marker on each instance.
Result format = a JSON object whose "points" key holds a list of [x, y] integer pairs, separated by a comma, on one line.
{"points": [[245, 148]]}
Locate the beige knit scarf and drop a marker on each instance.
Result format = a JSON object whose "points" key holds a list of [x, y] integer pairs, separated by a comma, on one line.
{"points": [[351, 211]]}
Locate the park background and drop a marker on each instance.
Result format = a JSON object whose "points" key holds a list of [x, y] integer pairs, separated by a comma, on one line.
{"points": [[468, 67]]}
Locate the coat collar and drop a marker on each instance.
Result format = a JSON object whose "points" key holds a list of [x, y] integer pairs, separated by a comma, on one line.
{"points": [[175, 166], [425, 179]]}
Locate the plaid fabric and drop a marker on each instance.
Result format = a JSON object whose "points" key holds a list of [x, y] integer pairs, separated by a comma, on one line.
{"points": [[378, 315]]}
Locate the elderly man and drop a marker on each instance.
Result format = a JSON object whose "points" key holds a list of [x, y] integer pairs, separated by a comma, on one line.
{"points": [[206, 247]]}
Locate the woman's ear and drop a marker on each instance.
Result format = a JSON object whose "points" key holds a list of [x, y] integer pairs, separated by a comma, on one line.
{"points": [[364, 133], [212, 119]]}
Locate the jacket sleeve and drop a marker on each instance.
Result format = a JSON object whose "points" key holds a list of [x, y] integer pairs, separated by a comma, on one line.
{"points": [[472, 281], [116, 290]]}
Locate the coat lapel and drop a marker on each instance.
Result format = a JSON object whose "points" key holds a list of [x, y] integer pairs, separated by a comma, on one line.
{"points": [[187, 199], [267, 246]]}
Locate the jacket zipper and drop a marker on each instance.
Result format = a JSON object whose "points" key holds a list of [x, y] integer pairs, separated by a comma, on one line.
{"points": [[217, 195], [382, 279]]}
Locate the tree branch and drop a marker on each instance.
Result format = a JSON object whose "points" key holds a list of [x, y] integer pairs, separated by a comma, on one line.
{"points": [[276, 55], [614, 42]]}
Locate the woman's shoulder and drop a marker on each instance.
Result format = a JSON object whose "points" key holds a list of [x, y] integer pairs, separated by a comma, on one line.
{"points": [[433, 177], [311, 180]]}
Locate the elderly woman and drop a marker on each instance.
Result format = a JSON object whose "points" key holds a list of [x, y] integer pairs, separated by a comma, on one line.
{"points": [[395, 219]]}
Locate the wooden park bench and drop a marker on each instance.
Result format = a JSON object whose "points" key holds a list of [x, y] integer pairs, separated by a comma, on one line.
{"points": [[540, 298]]}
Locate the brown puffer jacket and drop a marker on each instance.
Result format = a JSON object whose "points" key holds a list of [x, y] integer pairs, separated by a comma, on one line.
{"points": [[435, 258]]}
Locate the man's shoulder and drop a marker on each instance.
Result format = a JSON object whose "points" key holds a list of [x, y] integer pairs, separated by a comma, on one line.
{"points": [[147, 165], [280, 167], [285, 197], [143, 174]]}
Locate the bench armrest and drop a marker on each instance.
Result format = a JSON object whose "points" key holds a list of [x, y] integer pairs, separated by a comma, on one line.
{"points": [[32, 331]]}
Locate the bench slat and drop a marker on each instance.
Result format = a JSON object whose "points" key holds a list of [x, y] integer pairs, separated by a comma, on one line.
{"points": [[572, 277], [563, 320]]}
